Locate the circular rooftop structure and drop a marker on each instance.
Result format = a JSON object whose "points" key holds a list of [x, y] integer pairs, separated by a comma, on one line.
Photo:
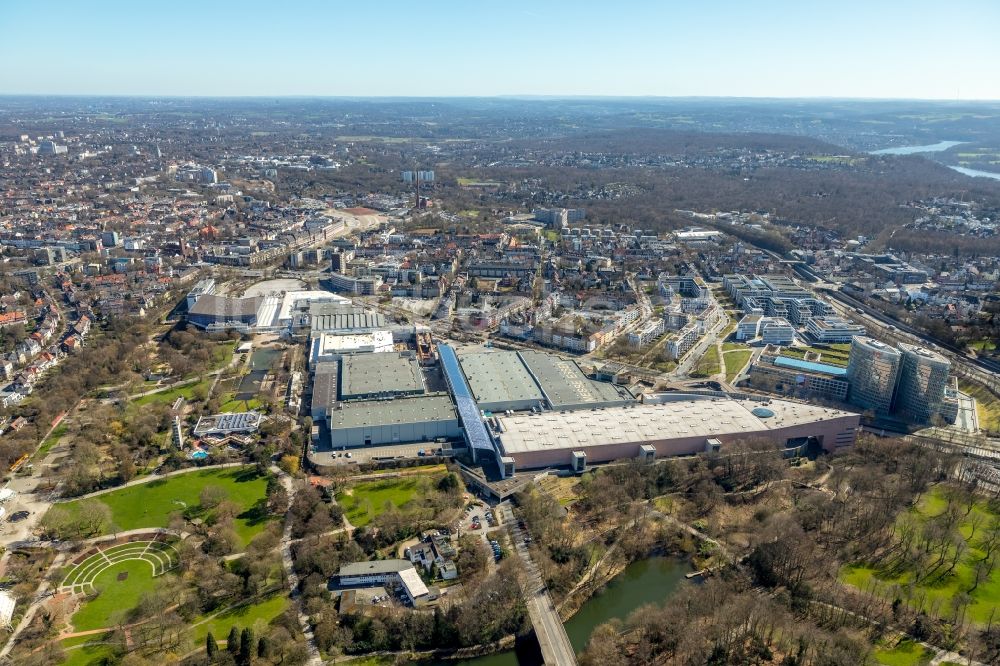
{"points": [[762, 412]]}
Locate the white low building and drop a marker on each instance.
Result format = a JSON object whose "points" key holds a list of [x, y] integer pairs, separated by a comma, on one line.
{"points": [[331, 346], [382, 572]]}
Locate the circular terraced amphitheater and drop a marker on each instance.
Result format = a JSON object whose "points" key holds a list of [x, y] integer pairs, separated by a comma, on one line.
{"points": [[161, 557]]}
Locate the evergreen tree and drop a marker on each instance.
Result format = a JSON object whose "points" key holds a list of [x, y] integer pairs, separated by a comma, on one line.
{"points": [[233, 642], [211, 646], [263, 647], [247, 645]]}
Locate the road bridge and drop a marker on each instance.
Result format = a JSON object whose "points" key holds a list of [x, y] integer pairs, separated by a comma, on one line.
{"points": [[549, 629]]}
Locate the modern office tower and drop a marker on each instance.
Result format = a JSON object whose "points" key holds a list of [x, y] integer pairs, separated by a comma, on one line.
{"points": [[51, 148], [922, 383], [872, 371]]}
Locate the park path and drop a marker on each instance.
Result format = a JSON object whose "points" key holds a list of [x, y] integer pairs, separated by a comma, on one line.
{"points": [[41, 593], [289, 566]]}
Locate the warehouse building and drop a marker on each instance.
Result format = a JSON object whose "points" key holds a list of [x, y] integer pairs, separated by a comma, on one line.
{"points": [[379, 376], [565, 386], [330, 346], [326, 381], [421, 418], [500, 381], [329, 317], [678, 427]]}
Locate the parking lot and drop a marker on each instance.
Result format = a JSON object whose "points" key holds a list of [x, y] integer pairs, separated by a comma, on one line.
{"points": [[326, 456], [480, 520]]}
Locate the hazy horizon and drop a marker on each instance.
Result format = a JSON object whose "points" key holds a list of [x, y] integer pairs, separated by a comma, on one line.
{"points": [[779, 49]]}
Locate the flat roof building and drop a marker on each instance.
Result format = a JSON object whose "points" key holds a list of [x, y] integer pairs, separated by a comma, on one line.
{"points": [[228, 424], [832, 330], [565, 386], [326, 382], [330, 346], [342, 318], [421, 418], [371, 376], [677, 427], [799, 378], [500, 381], [380, 572]]}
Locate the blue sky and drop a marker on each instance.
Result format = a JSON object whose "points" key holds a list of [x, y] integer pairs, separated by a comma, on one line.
{"points": [[944, 49]]}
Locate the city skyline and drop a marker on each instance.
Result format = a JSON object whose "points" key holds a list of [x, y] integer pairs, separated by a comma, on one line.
{"points": [[778, 49]]}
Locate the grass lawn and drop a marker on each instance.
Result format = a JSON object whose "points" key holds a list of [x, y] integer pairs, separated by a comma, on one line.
{"points": [[223, 354], [708, 365], [477, 181], [828, 356], [150, 504], [115, 595], [50, 441], [170, 395], [735, 360], [242, 616], [233, 405], [937, 593], [983, 345], [368, 498], [80, 640], [987, 404], [87, 655], [906, 653]]}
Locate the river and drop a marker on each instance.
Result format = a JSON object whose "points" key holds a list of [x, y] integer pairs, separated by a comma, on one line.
{"points": [[912, 150], [976, 173], [652, 580], [937, 148]]}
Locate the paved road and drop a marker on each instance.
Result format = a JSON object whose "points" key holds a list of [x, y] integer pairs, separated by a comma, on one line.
{"points": [[694, 355], [549, 629]]}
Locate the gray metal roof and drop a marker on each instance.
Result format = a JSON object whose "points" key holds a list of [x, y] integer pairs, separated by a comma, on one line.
{"points": [[342, 317], [379, 374], [416, 409], [324, 393], [497, 377], [564, 383], [224, 306]]}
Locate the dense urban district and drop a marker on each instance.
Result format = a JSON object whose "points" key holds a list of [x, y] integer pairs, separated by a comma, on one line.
{"points": [[498, 382]]}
